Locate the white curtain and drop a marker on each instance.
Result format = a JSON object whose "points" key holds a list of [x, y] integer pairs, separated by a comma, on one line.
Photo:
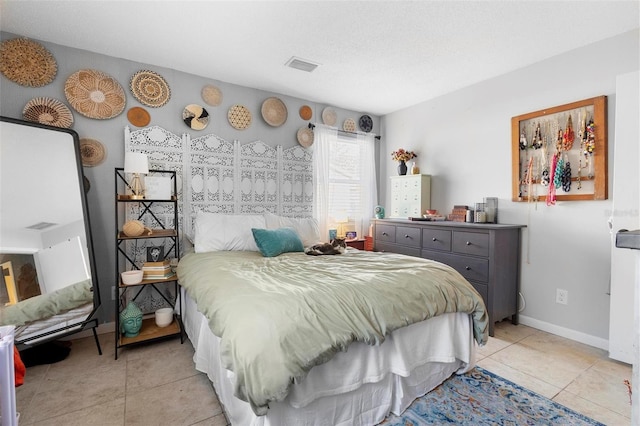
{"points": [[326, 137], [369, 194], [323, 136]]}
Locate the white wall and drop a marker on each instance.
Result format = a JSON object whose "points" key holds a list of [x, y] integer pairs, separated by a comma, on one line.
{"points": [[463, 140]]}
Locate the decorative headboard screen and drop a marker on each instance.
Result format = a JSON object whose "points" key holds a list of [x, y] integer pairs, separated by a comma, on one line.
{"points": [[219, 176]]}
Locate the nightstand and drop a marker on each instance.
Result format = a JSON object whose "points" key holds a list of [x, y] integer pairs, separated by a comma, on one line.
{"points": [[357, 243]]}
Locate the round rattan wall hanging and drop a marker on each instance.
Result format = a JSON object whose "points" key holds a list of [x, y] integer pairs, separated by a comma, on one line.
{"points": [[138, 116], [366, 123], [150, 89], [329, 116], [239, 117], [195, 117], [48, 111], [274, 112], [211, 95], [349, 125], [95, 94], [27, 63], [92, 152], [305, 112], [305, 136]]}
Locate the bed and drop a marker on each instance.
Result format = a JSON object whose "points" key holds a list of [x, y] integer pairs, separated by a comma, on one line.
{"points": [[292, 339]]}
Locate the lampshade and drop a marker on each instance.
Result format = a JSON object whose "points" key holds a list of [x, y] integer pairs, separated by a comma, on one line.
{"points": [[136, 162]]}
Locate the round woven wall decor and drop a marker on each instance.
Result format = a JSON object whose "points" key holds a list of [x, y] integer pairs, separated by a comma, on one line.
{"points": [[195, 116], [305, 136], [239, 117], [349, 125], [92, 152], [95, 94], [48, 111], [329, 116], [274, 112], [305, 112], [150, 89], [138, 116], [27, 63], [211, 95]]}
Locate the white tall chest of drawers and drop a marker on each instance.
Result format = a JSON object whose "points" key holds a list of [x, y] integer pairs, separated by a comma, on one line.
{"points": [[410, 195]]}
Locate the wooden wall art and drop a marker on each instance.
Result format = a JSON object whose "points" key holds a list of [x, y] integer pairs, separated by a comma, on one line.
{"points": [[560, 153]]}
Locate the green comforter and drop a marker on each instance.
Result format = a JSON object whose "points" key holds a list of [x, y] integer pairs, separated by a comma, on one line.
{"points": [[278, 317], [47, 305]]}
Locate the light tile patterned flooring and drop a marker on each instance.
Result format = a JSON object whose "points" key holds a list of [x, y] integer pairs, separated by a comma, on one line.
{"points": [[157, 384]]}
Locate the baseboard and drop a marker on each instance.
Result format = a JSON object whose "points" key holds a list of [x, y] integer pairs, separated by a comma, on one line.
{"points": [[567, 333]]}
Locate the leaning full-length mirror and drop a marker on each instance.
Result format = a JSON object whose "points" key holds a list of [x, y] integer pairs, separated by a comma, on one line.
{"points": [[49, 288]]}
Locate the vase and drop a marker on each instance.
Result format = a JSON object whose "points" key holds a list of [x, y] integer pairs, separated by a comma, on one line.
{"points": [[415, 170], [402, 168]]}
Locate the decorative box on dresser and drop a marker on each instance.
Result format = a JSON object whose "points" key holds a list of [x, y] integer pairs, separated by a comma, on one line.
{"points": [[487, 255], [410, 195]]}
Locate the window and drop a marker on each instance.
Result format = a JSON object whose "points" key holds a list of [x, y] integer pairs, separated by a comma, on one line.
{"points": [[345, 182]]}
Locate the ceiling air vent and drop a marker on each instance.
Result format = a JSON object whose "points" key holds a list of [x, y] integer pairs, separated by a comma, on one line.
{"points": [[301, 64], [41, 225]]}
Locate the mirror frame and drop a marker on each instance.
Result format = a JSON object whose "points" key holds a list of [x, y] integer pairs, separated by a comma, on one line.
{"points": [[91, 320]]}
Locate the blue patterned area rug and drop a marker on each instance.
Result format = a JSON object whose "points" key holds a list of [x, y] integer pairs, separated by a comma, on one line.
{"points": [[479, 397]]}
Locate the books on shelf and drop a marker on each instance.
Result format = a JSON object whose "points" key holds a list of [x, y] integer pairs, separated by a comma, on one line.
{"points": [[157, 270]]}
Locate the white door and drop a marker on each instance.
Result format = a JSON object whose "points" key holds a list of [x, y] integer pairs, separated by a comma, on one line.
{"points": [[625, 215]]}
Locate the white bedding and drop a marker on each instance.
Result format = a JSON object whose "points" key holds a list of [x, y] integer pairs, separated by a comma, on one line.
{"points": [[357, 387]]}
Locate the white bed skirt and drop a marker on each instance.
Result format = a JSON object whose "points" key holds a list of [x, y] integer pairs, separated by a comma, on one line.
{"points": [[358, 387]]}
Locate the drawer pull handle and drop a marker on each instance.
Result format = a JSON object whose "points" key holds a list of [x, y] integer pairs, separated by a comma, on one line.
{"points": [[406, 236], [385, 234], [434, 239], [468, 268], [468, 243]]}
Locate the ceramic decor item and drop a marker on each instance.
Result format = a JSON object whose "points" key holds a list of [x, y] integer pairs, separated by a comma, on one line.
{"points": [[95, 94], [131, 320], [48, 111], [27, 62], [150, 88], [274, 112]]}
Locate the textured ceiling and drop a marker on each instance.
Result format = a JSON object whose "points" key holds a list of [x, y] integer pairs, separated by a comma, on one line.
{"points": [[375, 56]]}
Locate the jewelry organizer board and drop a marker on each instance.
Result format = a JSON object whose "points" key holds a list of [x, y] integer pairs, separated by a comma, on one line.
{"points": [[219, 176], [563, 130]]}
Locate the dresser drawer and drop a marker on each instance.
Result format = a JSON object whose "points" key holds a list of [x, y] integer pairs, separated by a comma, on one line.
{"points": [[483, 289], [386, 233], [472, 268], [474, 243], [408, 236], [397, 248], [436, 239]]}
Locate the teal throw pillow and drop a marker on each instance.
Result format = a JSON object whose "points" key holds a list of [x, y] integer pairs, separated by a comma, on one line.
{"points": [[273, 242]]}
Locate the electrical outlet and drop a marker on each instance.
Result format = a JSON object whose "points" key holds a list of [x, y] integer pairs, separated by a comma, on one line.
{"points": [[562, 296]]}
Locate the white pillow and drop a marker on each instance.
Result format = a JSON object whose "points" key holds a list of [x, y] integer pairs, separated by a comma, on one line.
{"points": [[307, 228], [216, 232]]}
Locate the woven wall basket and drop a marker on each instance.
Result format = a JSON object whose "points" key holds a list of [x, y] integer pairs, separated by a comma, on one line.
{"points": [[95, 94], [150, 89], [92, 152], [274, 112], [239, 117], [27, 63], [48, 111]]}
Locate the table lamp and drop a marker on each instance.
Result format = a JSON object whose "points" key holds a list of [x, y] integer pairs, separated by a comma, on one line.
{"points": [[137, 164]]}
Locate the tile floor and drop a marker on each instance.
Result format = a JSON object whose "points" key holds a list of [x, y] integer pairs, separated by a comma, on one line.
{"points": [[155, 384]]}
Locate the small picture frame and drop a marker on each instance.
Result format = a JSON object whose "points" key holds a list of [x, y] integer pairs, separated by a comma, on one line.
{"points": [[155, 254], [333, 233], [157, 188], [351, 235]]}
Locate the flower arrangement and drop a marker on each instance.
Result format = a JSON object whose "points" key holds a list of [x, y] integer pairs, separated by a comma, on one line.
{"points": [[402, 155]]}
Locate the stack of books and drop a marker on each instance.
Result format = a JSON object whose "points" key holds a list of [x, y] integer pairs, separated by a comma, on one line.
{"points": [[157, 270], [458, 214]]}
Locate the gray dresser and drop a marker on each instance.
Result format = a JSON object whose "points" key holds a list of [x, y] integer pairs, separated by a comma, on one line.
{"points": [[487, 255]]}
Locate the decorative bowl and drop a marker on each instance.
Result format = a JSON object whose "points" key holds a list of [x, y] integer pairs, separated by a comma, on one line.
{"points": [[132, 277], [432, 212], [164, 317]]}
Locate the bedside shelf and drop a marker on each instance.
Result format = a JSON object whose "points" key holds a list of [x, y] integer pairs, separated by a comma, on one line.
{"points": [[151, 331]]}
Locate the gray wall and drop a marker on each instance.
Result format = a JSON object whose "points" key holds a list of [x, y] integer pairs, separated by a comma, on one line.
{"points": [[185, 89], [463, 140]]}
